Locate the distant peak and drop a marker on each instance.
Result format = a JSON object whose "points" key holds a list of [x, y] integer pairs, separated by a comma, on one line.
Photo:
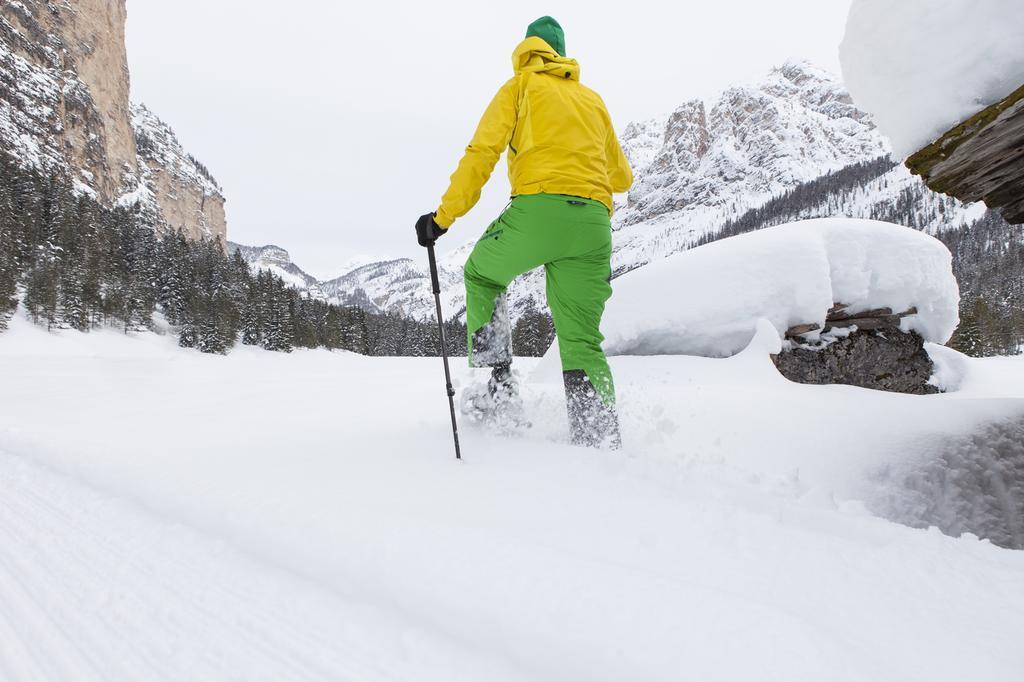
{"points": [[799, 70]]}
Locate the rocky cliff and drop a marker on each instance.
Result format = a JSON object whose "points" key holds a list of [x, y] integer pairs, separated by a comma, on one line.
{"points": [[185, 194], [64, 107]]}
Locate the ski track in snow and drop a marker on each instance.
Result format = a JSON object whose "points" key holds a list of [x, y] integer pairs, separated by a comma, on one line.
{"points": [[167, 515], [96, 588]]}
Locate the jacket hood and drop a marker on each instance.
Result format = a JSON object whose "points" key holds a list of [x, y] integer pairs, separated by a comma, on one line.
{"points": [[534, 55]]}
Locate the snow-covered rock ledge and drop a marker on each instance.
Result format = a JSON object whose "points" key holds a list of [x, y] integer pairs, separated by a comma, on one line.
{"points": [[852, 301], [922, 66], [707, 301]]}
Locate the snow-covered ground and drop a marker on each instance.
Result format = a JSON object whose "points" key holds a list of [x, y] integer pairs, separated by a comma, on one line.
{"points": [[922, 66], [171, 515]]}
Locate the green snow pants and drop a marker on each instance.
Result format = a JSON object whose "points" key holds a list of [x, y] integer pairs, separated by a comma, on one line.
{"points": [[571, 237]]}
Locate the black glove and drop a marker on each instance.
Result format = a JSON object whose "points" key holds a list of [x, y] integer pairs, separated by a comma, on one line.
{"points": [[428, 231]]}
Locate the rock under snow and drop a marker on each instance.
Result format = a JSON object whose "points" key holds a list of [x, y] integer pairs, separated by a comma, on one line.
{"points": [[885, 361], [922, 66], [707, 301]]}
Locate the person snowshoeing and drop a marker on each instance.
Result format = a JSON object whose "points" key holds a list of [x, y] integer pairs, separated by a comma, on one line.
{"points": [[564, 164]]}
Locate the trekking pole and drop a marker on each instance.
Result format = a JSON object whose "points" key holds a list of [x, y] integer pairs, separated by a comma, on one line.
{"points": [[436, 285]]}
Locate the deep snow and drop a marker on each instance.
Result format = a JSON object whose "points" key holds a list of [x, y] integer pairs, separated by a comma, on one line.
{"points": [[922, 66], [172, 515], [707, 301]]}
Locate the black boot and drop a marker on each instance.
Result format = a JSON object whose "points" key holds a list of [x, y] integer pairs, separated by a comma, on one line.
{"points": [[592, 423], [502, 382]]}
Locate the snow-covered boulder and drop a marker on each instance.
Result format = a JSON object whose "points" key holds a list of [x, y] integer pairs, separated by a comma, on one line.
{"points": [[707, 301], [922, 66]]}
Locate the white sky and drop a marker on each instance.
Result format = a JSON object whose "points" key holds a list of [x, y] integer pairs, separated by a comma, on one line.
{"points": [[333, 125]]}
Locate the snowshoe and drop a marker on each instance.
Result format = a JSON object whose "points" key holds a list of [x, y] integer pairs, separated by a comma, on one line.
{"points": [[496, 403]]}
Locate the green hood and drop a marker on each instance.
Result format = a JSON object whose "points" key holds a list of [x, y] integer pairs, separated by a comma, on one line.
{"points": [[550, 31]]}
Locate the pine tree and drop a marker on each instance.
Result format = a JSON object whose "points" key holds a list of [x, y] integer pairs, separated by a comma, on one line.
{"points": [[41, 294], [277, 334], [173, 272], [532, 334], [252, 332], [9, 271]]}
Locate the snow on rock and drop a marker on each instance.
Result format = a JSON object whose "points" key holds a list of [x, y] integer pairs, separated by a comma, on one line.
{"points": [[402, 286], [753, 142], [707, 301], [157, 142], [922, 66], [641, 141]]}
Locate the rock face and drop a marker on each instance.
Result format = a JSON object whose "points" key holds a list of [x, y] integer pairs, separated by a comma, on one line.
{"points": [[186, 195], [64, 107], [981, 159], [858, 348], [65, 89]]}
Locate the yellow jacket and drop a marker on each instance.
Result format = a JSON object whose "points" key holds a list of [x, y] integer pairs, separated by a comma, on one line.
{"points": [[558, 132]]}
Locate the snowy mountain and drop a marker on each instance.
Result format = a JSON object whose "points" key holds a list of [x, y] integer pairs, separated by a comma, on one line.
{"points": [[276, 260], [395, 286], [703, 168], [754, 142], [64, 107]]}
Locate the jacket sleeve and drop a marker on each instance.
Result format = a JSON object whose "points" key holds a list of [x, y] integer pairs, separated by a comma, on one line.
{"points": [[620, 175], [489, 141]]}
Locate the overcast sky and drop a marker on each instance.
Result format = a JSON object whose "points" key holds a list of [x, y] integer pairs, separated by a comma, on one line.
{"points": [[333, 125]]}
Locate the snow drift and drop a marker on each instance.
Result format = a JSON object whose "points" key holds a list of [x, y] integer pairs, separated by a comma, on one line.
{"points": [[707, 301], [922, 66], [301, 517]]}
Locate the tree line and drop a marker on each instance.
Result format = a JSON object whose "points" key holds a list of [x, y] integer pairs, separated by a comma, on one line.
{"points": [[75, 264], [988, 261]]}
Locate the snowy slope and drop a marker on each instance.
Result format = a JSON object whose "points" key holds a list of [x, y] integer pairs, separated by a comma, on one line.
{"points": [[896, 194], [400, 286], [737, 537]]}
